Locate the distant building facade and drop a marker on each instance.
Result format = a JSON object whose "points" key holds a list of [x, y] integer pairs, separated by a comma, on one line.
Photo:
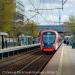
{"points": [[58, 28], [19, 19]]}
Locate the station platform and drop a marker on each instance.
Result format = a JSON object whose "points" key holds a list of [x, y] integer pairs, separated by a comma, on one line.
{"points": [[62, 63], [9, 49]]}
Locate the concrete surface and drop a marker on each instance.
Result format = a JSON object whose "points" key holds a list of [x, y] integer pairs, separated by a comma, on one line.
{"points": [[62, 63]]}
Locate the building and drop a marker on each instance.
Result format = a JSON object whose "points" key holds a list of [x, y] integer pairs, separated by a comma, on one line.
{"points": [[19, 12], [59, 28]]}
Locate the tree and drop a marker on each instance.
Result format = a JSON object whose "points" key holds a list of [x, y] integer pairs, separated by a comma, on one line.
{"points": [[20, 30], [31, 28], [71, 25], [7, 9]]}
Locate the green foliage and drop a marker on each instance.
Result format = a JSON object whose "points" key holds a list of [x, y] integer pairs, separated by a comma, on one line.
{"points": [[31, 28], [7, 9], [71, 25], [20, 30], [7, 17]]}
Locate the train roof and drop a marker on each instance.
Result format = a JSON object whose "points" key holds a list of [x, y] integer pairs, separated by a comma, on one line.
{"points": [[48, 31]]}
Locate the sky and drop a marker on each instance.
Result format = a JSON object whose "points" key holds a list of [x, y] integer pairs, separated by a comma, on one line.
{"points": [[48, 17]]}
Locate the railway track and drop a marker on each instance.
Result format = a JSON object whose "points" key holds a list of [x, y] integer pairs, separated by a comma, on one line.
{"points": [[8, 59], [36, 66], [28, 64]]}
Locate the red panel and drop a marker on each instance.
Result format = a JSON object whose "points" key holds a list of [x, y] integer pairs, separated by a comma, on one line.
{"points": [[48, 49]]}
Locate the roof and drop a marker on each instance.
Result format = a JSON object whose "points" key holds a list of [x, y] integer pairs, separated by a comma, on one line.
{"points": [[3, 33]]}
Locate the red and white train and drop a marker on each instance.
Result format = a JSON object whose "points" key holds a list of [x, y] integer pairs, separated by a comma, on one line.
{"points": [[49, 40]]}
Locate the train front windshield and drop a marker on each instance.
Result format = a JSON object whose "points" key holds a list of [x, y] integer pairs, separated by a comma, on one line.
{"points": [[48, 39]]}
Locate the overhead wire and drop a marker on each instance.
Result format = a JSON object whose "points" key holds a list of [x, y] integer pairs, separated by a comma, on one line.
{"points": [[37, 10], [32, 15], [39, 4], [65, 2]]}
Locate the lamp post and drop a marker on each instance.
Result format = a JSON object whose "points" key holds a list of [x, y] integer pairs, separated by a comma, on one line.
{"points": [[59, 17]]}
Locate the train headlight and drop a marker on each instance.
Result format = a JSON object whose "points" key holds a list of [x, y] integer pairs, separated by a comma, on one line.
{"points": [[42, 44]]}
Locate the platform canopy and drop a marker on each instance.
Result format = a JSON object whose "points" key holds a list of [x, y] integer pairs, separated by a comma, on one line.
{"points": [[3, 33]]}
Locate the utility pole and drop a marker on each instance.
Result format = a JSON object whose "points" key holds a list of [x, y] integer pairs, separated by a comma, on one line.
{"points": [[62, 4], [59, 17]]}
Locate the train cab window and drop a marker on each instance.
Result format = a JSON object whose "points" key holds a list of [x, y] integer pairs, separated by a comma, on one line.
{"points": [[49, 38]]}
